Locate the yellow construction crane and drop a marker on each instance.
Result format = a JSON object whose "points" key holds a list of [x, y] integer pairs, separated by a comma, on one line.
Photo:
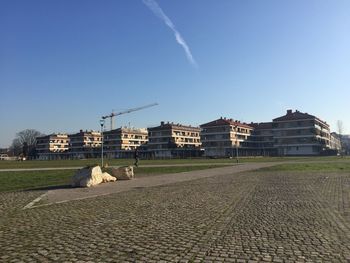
{"points": [[125, 112]]}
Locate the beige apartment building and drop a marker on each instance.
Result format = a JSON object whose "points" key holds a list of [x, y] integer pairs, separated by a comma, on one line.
{"points": [[122, 142], [345, 143], [261, 140], [298, 133], [174, 140], [85, 144], [335, 142], [51, 147], [293, 134], [225, 137]]}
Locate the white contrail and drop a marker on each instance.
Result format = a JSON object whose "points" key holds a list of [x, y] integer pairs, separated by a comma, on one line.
{"points": [[155, 8]]}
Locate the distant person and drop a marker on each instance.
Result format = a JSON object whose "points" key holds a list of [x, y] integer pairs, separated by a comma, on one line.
{"points": [[136, 157]]}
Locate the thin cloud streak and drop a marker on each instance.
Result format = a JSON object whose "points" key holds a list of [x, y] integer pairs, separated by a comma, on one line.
{"points": [[155, 8]]}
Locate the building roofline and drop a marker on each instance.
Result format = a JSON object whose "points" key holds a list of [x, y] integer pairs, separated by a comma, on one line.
{"points": [[171, 125], [225, 121]]}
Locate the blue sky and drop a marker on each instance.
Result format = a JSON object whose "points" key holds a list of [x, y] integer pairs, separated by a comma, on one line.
{"points": [[63, 64]]}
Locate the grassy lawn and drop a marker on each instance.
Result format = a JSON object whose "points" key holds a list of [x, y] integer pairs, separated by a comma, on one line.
{"points": [[295, 159], [117, 162], [310, 167], [146, 171], [11, 181], [111, 162], [30, 180], [57, 163]]}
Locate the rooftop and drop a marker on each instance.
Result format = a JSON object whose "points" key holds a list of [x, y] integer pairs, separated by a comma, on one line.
{"points": [[225, 121], [171, 125]]}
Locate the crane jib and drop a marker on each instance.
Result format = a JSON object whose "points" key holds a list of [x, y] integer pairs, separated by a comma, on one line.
{"points": [[126, 111]]}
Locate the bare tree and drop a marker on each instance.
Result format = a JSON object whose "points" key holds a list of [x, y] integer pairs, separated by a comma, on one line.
{"points": [[25, 142], [16, 147], [340, 127], [28, 136]]}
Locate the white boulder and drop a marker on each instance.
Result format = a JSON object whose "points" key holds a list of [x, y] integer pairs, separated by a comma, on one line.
{"points": [[106, 177], [91, 176], [123, 173]]}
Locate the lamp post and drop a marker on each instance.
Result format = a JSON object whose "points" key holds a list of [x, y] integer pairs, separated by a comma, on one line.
{"points": [[102, 123]]}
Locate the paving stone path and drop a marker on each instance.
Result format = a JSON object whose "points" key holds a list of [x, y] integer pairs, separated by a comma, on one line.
{"points": [[69, 194], [242, 217]]}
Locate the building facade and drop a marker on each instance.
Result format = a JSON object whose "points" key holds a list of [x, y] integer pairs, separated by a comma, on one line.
{"points": [[261, 140], [225, 137], [4, 153], [52, 147], [122, 142], [345, 144], [85, 144], [4, 150], [335, 142], [171, 140], [298, 133], [293, 134]]}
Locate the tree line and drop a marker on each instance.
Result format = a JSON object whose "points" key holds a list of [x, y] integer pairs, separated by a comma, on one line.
{"points": [[24, 144]]}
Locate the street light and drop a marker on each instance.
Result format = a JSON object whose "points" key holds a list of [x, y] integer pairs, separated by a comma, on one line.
{"points": [[102, 123]]}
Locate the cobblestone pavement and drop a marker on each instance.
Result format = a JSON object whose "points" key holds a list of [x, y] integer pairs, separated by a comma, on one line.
{"points": [[68, 194], [245, 217]]}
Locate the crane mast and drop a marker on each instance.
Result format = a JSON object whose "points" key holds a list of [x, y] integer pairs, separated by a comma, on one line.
{"points": [[113, 114]]}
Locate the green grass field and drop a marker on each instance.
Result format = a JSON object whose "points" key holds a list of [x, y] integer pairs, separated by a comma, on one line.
{"points": [[24, 180], [11, 181], [31, 180], [117, 162], [110, 162]]}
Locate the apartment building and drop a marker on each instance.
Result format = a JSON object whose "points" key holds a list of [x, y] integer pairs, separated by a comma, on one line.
{"points": [[4, 150], [85, 144], [52, 147], [298, 133], [261, 140], [225, 137], [335, 142], [174, 140], [122, 142], [345, 143], [4, 153]]}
